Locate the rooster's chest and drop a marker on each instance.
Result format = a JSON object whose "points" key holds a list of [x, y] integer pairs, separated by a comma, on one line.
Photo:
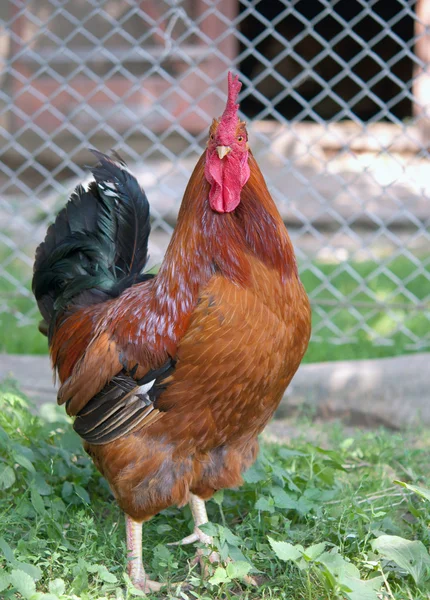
{"points": [[241, 350]]}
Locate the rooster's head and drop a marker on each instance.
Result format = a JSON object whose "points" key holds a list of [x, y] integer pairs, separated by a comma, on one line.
{"points": [[226, 167]]}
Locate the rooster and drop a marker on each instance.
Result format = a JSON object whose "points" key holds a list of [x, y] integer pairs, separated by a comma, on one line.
{"points": [[172, 377]]}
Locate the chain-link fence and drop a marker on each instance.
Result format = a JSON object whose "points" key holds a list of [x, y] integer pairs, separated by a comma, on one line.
{"points": [[335, 93]]}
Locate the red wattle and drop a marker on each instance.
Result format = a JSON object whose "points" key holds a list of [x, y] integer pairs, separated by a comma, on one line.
{"points": [[226, 176]]}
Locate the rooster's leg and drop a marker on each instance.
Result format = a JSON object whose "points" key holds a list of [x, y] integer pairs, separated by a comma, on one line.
{"points": [[200, 517], [198, 510], [136, 570]]}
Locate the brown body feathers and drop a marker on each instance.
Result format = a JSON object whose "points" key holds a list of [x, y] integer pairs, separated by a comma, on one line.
{"points": [[190, 365]]}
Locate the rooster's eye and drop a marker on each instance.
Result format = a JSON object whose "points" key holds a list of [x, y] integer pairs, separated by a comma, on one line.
{"points": [[240, 138], [212, 136]]}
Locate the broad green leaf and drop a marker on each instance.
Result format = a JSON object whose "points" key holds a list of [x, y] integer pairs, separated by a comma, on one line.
{"points": [[57, 586], [337, 565], [334, 458], [282, 499], [24, 462], [4, 581], [224, 551], [357, 589], [83, 494], [209, 529], [412, 556], [34, 572], [57, 506], [92, 568], [218, 497], [220, 576], [338, 571], [163, 528], [327, 577], [255, 474], [291, 485], [236, 554], [417, 489], [7, 477], [264, 504], [69, 440], [162, 557], [229, 536], [285, 551], [304, 506], [37, 502], [25, 451], [80, 572], [221, 535], [23, 583], [105, 575], [67, 491], [313, 552], [238, 570], [289, 453], [4, 438], [7, 550], [318, 495], [40, 485]]}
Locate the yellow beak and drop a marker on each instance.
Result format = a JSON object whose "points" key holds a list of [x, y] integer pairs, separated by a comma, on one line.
{"points": [[223, 151]]}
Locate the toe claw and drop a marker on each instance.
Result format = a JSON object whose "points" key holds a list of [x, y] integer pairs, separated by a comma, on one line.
{"points": [[147, 585], [196, 536], [190, 539], [249, 580]]}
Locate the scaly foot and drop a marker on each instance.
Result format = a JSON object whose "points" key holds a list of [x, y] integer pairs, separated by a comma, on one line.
{"points": [[147, 585], [136, 570], [196, 536], [200, 517]]}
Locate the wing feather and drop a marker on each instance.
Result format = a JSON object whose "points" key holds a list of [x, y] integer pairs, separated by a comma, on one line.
{"points": [[122, 405]]}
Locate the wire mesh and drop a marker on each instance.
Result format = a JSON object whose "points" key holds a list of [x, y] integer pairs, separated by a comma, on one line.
{"points": [[335, 94]]}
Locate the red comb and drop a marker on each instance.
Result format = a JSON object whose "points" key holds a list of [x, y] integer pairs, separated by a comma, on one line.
{"points": [[234, 87], [229, 117]]}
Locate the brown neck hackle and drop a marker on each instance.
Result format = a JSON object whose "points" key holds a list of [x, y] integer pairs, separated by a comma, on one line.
{"points": [[206, 242]]}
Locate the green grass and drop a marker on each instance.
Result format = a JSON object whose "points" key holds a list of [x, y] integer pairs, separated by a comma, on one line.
{"points": [[384, 324], [307, 523], [16, 339]]}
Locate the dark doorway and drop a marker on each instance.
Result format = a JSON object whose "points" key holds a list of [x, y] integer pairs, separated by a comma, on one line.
{"points": [[323, 69]]}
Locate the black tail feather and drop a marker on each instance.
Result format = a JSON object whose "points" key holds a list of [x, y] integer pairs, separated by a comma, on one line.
{"points": [[98, 244], [132, 216]]}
